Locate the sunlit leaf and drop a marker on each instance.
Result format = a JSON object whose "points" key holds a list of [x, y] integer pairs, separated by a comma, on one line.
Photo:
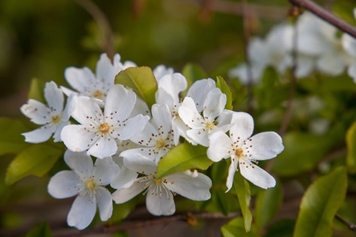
{"points": [[351, 146], [183, 157], [220, 83], [236, 228], [37, 90], [141, 80], [35, 160], [242, 188], [11, 141], [41, 229], [320, 204], [267, 204]]}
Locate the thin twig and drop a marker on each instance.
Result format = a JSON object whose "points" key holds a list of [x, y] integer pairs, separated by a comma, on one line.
{"points": [[327, 16], [349, 224], [103, 24]]}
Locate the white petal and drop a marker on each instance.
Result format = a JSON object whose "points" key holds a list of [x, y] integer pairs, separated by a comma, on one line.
{"points": [[196, 188], [80, 162], [305, 65], [163, 97], [119, 103], [199, 90], [214, 104], [63, 184], [162, 117], [160, 205], [132, 127], [54, 96], [189, 114], [256, 175], [140, 164], [39, 135], [140, 107], [58, 132], [351, 71], [333, 63], [105, 171], [105, 72], [161, 70], [82, 212], [87, 111], [219, 146], [231, 174], [36, 111], [149, 152], [126, 194], [349, 44], [242, 126], [146, 136], [199, 136], [264, 146], [77, 138], [103, 147], [126, 177], [173, 84], [81, 80], [104, 200]]}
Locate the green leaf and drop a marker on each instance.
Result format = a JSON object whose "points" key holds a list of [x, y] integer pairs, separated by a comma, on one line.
{"points": [[183, 157], [351, 145], [37, 90], [11, 141], [121, 211], [320, 204], [41, 230], [221, 84], [141, 80], [242, 188], [267, 205], [35, 160], [235, 228], [282, 228]]}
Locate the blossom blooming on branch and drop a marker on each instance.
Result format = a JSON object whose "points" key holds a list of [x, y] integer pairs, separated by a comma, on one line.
{"points": [[53, 118], [97, 132], [159, 191], [88, 182], [245, 150]]}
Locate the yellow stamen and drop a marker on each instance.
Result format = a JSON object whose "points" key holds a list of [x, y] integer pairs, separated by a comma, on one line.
{"points": [[104, 128], [56, 119]]}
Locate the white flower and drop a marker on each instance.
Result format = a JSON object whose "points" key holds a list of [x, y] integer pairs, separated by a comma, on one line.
{"points": [[349, 44], [159, 192], [161, 70], [245, 150], [214, 116], [95, 86], [53, 118], [97, 131], [157, 138], [88, 183]]}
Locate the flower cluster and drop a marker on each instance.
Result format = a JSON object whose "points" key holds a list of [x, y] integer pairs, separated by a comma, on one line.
{"points": [[316, 44], [109, 124]]}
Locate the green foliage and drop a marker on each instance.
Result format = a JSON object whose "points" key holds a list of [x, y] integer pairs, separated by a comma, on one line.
{"points": [[35, 160], [221, 83], [267, 205], [40, 230], [242, 188], [235, 228], [282, 228], [351, 144], [193, 72], [11, 140], [121, 211], [320, 204], [141, 80], [183, 157], [36, 90]]}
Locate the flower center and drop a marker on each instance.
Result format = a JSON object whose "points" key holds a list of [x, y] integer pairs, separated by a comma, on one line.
{"points": [[239, 152], [157, 181], [90, 185], [98, 94], [104, 128], [209, 125], [56, 119], [160, 143]]}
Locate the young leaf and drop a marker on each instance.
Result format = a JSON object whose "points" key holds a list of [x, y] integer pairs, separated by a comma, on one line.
{"points": [[320, 204], [183, 157], [351, 145], [37, 90], [36, 159], [234, 228], [221, 84], [11, 141], [242, 188], [41, 229], [141, 80]]}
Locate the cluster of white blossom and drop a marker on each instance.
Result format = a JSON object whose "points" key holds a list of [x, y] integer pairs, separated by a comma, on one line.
{"points": [[316, 44], [113, 127]]}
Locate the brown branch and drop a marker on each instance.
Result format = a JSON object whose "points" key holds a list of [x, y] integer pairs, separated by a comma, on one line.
{"points": [[103, 24], [276, 13], [327, 16], [349, 224]]}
